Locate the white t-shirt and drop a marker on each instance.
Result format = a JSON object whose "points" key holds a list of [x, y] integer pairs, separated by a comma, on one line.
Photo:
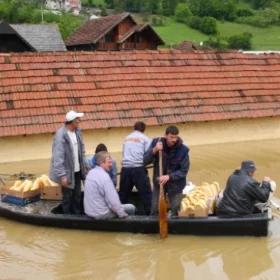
{"points": [[73, 137], [134, 147]]}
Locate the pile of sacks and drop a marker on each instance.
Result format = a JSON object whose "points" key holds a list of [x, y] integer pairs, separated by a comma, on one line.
{"points": [[28, 185], [199, 201]]}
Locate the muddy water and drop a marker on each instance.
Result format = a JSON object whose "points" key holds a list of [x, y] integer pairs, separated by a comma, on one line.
{"points": [[28, 252]]}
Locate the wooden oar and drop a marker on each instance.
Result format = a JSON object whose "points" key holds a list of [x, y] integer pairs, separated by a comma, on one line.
{"points": [[162, 207]]}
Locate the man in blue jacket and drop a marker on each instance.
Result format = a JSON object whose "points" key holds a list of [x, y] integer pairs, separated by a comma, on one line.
{"points": [[175, 157]]}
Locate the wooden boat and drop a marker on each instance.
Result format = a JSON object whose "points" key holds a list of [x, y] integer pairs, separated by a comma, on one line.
{"points": [[44, 213]]}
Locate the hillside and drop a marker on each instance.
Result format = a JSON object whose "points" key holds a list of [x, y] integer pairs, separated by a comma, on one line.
{"points": [[263, 38]]}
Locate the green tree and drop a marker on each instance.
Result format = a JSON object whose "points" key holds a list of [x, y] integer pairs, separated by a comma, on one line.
{"points": [[242, 41], [182, 12], [260, 4], [208, 25], [195, 22], [68, 23], [216, 43]]}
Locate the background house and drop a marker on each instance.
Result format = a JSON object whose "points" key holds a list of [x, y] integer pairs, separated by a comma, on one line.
{"points": [[115, 32], [30, 38], [66, 5], [214, 97]]}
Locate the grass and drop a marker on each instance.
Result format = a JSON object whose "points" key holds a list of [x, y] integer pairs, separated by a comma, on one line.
{"points": [[173, 32], [263, 38]]}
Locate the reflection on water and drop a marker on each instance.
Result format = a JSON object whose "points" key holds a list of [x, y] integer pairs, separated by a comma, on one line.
{"points": [[26, 250]]}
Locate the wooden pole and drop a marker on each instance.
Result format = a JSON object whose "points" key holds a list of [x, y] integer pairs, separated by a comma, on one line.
{"points": [[163, 225]]}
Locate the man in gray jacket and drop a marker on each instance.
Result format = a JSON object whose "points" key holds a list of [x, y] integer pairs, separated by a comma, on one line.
{"points": [[68, 162]]}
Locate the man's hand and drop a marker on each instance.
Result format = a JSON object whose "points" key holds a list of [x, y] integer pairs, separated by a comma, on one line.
{"points": [[157, 147], [124, 217], [64, 181], [266, 179], [164, 179]]}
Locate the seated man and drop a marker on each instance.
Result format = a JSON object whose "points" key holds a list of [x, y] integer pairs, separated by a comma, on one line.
{"points": [[242, 192], [101, 200]]}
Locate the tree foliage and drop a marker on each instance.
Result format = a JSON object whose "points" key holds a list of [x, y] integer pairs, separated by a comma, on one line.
{"points": [[242, 41], [26, 11], [182, 12]]}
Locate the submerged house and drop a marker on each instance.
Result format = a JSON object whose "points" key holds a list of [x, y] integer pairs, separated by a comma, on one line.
{"points": [[213, 97], [30, 38], [115, 32]]}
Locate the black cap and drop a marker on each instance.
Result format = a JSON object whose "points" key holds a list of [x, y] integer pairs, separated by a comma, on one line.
{"points": [[248, 165]]}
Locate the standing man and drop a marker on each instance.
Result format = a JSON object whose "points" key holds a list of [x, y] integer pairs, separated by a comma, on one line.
{"points": [[242, 191], [68, 162], [101, 200], [133, 172], [175, 158]]}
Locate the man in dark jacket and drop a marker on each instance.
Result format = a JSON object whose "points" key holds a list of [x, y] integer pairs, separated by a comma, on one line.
{"points": [[175, 168], [68, 162], [242, 192]]}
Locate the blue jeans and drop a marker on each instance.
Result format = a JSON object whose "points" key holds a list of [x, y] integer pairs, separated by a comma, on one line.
{"points": [[128, 208]]}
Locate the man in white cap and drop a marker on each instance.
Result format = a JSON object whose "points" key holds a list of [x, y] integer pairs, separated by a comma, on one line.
{"points": [[68, 162]]}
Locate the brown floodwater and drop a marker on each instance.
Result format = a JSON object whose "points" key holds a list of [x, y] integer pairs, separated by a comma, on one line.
{"points": [[29, 252]]}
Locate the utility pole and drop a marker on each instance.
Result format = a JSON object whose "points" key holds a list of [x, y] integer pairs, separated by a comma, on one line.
{"points": [[42, 12]]}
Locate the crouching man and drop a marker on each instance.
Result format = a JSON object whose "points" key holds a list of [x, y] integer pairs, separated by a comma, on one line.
{"points": [[101, 200], [242, 192]]}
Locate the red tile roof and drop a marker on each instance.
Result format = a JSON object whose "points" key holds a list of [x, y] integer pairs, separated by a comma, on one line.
{"points": [[94, 29], [115, 89]]}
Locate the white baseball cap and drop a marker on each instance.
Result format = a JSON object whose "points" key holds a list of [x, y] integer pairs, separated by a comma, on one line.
{"points": [[72, 115]]}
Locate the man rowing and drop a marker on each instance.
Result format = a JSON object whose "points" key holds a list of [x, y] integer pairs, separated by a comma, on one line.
{"points": [[176, 165]]}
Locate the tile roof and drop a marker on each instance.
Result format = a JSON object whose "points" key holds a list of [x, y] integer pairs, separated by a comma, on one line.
{"points": [[42, 37], [94, 29], [140, 28], [185, 46], [115, 89]]}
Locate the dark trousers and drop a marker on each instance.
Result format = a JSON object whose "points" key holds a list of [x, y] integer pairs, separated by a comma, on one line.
{"points": [[174, 198], [71, 198], [138, 177]]}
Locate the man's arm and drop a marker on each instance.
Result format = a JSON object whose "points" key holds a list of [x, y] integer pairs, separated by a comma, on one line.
{"points": [[149, 156], [257, 192], [58, 156]]}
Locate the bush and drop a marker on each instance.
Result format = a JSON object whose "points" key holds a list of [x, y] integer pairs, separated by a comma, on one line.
{"points": [[195, 22], [260, 4], [216, 43], [220, 9], [208, 25], [262, 18], [242, 41], [244, 12], [157, 21], [103, 11], [182, 13]]}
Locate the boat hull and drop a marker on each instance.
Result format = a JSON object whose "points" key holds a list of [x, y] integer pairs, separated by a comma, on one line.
{"points": [[39, 214]]}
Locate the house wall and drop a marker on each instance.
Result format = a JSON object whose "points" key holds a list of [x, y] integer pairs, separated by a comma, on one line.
{"points": [[39, 146]]}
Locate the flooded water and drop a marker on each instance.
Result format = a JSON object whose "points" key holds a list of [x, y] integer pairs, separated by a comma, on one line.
{"points": [[28, 252]]}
